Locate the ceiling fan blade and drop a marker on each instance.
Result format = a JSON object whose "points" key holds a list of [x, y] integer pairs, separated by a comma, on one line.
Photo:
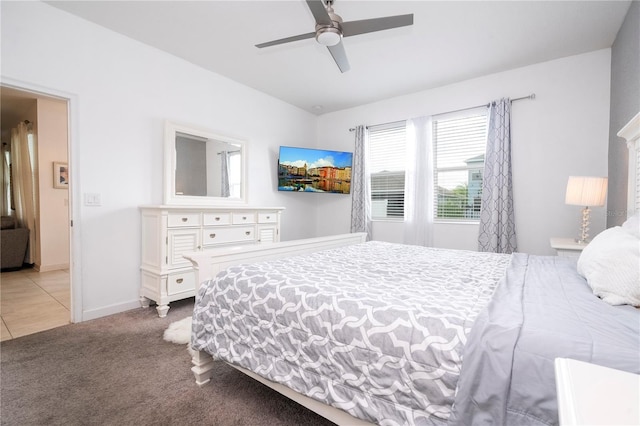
{"points": [[364, 26], [340, 56], [319, 12], [286, 40]]}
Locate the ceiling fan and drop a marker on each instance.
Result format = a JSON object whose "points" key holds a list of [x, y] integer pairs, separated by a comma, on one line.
{"points": [[330, 29]]}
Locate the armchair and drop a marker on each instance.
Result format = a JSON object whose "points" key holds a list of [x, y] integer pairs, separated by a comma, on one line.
{"points": [[13, 244]]}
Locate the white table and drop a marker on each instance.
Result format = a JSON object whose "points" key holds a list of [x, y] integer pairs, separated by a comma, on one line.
{"points": [[590, 394], [567, 247]]}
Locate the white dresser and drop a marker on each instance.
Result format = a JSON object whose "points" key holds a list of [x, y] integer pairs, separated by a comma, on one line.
{"points": [[170, 231]]}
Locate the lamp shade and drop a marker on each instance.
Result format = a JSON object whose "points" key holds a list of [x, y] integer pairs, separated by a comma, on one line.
{"points": [[586, 191]]}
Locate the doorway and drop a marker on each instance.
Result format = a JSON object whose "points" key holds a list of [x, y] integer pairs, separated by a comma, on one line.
{"points": [[37, 296]]}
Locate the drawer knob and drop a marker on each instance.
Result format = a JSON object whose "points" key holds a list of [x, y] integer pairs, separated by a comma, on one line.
{"points": [[217, 218], [179, 280], [184, 219], [212, 235], [268, 217], [244, 218], [247, 233]]}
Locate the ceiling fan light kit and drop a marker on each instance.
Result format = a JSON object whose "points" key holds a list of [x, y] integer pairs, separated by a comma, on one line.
{"points": [[329, 30], [328, 36]]}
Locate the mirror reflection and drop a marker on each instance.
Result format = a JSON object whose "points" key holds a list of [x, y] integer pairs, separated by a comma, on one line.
{"points": [[203, 168], [207, 167]]}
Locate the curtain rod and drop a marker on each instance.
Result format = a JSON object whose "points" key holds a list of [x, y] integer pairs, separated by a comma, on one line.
{"points": [[531, 96]]}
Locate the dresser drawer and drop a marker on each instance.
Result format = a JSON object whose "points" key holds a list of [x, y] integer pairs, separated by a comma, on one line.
{"points": [[177, 220], [181, 282], [270, 217], [213, 219], [240, 218], [228, 235]]}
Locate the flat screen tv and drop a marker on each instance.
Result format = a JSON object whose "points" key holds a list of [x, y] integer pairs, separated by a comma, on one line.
{"points": [[314, 170]]}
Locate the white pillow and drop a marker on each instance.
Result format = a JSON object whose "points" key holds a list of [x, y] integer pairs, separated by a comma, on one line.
{"points": [[632, 225], [611, 265]]}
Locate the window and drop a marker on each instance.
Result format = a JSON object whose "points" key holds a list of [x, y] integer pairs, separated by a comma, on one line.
{"points": [[235, 174], [387, 147], [459, 144]]}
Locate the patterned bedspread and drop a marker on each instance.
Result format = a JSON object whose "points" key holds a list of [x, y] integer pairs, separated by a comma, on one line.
{"points": [[375, 329]]}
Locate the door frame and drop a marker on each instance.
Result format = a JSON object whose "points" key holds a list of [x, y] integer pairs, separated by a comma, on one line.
{"points": [[75, 241]]}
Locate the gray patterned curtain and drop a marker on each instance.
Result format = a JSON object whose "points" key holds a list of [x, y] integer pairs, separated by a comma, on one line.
{"points": [[360, 192], [497, 223]]}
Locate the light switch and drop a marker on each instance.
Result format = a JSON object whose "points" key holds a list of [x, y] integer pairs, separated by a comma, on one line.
{"points": [[92, 199]]}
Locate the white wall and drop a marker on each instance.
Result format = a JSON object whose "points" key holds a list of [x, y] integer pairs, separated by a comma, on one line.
{"points": [[563, 132], [122, 92], [53, 229]]}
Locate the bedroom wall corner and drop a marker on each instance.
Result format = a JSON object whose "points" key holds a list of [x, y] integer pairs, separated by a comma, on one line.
{"points": [[625, 104]]}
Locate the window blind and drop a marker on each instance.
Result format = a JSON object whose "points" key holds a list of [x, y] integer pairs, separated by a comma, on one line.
{"points": [[459, 145], [387, 162]]}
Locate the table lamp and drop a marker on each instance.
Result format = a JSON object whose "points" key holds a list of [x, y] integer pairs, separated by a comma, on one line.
{"points": [[587, 192]]}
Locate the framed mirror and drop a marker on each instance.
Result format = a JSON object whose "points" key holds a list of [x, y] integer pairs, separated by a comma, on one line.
{"points": [[202, 168]]}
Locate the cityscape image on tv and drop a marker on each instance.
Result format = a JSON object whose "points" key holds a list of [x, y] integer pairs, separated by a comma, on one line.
{"points": [[314, 170]]}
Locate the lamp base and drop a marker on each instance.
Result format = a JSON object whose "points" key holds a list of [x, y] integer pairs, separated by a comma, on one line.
{"points": [[584, 236]]}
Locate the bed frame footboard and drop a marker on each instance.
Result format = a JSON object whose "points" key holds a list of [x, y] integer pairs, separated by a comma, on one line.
{"points": [[208, 263], [202, 370]]}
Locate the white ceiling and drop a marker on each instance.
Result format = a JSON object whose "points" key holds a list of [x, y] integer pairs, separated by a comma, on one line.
{"points": [[450, 41]]}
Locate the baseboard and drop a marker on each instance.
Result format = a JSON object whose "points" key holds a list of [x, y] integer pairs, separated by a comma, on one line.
{"points": [[110, 310], [49, 268]]}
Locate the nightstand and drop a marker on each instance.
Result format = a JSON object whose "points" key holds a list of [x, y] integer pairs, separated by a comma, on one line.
{"points": [[590, 394], [567, 247]]}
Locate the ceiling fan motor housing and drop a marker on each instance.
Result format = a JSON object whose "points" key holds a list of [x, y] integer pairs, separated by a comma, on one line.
{"points": [[330, 35]]}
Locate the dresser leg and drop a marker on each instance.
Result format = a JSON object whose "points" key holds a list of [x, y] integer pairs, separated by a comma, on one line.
{"points": [[144, 302], [162, 310]]}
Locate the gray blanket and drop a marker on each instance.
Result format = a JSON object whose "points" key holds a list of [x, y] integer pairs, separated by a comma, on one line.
{"points": [[375, 329], [543, 310], [380, 330]]}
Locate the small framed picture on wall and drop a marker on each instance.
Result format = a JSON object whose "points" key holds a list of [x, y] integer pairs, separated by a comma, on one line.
{"points": [[61, 175]]}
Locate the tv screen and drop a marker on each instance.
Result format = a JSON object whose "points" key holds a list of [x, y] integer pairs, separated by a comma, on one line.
{"points": [[314, 170]]}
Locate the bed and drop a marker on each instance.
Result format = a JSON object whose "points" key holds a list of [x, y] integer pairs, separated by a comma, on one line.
{"points": [[372, 332]]}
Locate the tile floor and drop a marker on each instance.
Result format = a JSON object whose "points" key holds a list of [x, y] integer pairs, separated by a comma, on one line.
{"points": [[32, 301]]}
